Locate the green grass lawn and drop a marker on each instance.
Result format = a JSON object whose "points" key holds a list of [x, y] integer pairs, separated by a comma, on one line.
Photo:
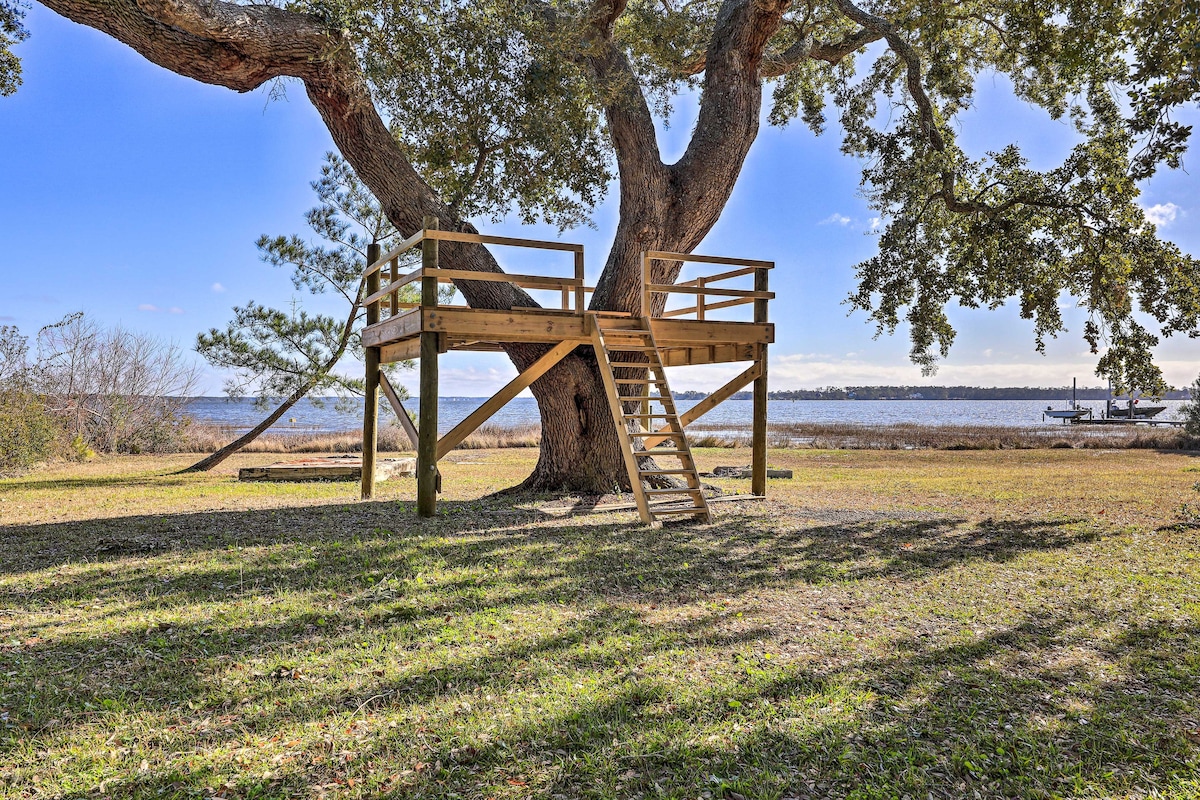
{"points": [[889, 624]]}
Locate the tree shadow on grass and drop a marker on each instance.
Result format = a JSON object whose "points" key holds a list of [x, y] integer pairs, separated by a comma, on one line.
{"points": [[512, 653], [1002, 716], [155, 479]]}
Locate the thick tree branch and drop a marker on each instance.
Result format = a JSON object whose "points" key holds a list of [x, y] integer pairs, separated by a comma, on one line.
{"points": [[243, 46], [729, 112], [927, 118], [778, 64]]}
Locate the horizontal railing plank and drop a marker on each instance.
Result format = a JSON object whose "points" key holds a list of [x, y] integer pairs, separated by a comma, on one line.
{"points": [[395, 251], [679, 312], [394, 286], [673, 288], [663, 255], [480, 238]]}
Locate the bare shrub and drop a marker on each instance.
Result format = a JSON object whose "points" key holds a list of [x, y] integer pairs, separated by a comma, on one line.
{"points": [[116, 390]]}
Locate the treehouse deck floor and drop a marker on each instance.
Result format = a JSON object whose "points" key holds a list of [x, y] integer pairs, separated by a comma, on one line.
{"points": [[680, 341]]}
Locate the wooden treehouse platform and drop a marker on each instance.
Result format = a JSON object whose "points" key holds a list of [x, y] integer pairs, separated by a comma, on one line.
{"points": [[633, 351]]}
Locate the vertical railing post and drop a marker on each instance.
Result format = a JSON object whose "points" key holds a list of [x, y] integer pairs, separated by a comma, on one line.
{"points": [[700, 299], [645, 281], [371, 385], [758, 436], [579, 298], [394, 297], [427, 427]]}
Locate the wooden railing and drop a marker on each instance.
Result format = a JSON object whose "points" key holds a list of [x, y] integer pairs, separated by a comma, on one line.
{"points": [[387, 266], [385, 280], [702, 288]]}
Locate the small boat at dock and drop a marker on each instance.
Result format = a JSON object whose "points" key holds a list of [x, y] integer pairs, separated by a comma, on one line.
{"points": [[1134, 411], [1067, 414]]}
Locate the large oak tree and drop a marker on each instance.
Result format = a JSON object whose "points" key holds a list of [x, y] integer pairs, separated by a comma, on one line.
{"points": [[468, 110]]}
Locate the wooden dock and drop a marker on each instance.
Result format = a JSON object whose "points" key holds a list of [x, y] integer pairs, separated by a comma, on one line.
{"points": [[633, 351], [1172, 423]]}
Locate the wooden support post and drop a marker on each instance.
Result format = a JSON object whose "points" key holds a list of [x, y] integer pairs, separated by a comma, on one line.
{"points": [[758, 436], [427, 415], [371, 398]]}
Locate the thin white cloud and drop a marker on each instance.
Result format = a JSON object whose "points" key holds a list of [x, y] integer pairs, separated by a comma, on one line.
{"points": [[175, 310], [1161, 214], [835, 219], [218, 288], [876, 223], [148, 307]]}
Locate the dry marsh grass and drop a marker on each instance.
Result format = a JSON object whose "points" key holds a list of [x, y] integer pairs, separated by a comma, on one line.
{"points": [[208, 439], [891, 623], [820, 436]]}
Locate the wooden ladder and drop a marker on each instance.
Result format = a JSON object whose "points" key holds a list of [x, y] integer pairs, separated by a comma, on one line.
{"points": [[632, 427]]}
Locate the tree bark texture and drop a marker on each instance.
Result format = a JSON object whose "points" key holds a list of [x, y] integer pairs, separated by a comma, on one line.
{"points": [[662, 207]]}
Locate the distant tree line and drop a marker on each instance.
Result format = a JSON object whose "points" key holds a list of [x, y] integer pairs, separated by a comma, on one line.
{"points": [[936, 393]]}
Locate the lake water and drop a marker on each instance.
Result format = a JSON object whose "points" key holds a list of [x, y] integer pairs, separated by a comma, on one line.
{"points": [[309, 417]]}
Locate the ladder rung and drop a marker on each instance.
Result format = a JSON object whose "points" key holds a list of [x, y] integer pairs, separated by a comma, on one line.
{"points": [[660, 398], [642, 381], [655, 452], [689, 510], [664, 434], [667, 471], [673, 491], [663, 415], [629, 348]]}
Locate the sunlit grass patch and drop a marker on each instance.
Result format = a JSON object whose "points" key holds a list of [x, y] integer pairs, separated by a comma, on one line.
{"points": [[889, 624]]}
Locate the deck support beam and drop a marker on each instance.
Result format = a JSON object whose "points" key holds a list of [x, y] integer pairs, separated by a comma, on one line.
{"points": [[514, 387], [427, 423], [712, 401], [371, 396], [406, 422]]}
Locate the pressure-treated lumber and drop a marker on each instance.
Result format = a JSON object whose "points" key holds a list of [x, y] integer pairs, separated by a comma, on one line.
{"points": [[426, 329], [481, 238], [625, 421], [614, 405], [712, 401], [758, 432], [672, 288], [326, 468], [382, 261], [663, 255], [494, 403], [397, 282], [406, 422], [428, 412], [371, 390], [404, 350]]}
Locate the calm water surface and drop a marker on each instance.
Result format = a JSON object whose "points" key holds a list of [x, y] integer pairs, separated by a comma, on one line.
{"points": [[309, 417]]}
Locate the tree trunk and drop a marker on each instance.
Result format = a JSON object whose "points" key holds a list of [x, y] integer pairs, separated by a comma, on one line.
{"points": [[663, 207], [207, 463]]}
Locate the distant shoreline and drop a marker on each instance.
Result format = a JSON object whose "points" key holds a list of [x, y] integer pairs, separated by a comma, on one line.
{"points": [[918, 393]]}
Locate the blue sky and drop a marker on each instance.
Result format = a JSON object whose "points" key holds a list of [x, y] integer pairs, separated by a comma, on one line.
{"points": [[136, 195]]}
